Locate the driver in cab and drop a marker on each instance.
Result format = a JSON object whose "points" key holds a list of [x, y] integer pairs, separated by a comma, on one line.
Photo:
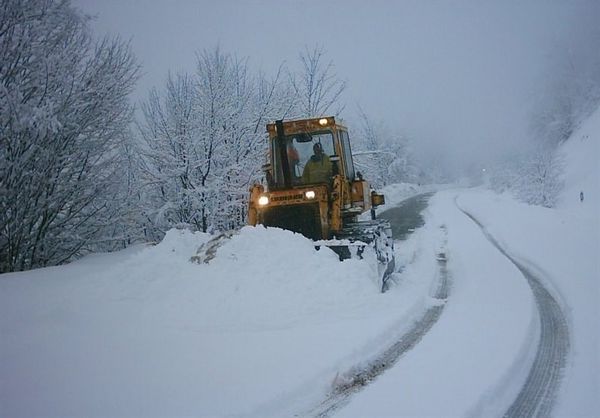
{"points": [[319, 168]]}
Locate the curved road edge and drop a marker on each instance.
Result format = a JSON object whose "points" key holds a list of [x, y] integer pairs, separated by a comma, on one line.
{"points": [[538, 394]]}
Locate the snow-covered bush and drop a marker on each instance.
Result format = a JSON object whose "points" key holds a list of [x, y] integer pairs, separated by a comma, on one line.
{"points": [[534, 177], [540, 178]]}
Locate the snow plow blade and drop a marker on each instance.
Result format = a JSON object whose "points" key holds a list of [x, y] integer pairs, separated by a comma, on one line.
{"points": [[366, 240]]}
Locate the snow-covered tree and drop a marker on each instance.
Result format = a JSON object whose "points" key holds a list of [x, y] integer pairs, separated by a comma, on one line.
{"points": [[275, 98], [239, 147], [204, 142], [381, 156], [64, 115], [168, 172], [317, 88]]}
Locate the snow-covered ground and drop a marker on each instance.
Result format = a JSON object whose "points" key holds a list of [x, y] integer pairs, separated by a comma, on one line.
{"points": [[456, 370], [271, 325], [268, 321]]}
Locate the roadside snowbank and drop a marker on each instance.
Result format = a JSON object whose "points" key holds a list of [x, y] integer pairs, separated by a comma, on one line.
{"points": [[265, 327]]}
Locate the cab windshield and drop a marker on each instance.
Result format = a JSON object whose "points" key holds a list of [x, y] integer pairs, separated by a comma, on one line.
{"points": [[307, 165]]}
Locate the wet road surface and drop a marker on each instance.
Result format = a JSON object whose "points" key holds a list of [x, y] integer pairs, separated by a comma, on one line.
{"points": [[406, 217]]}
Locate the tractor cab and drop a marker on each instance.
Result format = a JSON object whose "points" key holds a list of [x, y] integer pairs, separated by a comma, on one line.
{"points": [[312, 187], [306, 152]]}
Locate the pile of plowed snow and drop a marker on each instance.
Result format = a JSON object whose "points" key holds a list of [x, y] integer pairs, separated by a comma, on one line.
{"points": [[268, 321], [260, 278]]}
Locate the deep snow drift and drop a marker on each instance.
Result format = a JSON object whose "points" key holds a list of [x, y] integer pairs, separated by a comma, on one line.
{"points": [[271, 325]]}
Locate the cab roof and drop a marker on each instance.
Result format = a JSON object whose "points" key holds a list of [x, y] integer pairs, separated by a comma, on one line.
{"points": [[305, 125]]}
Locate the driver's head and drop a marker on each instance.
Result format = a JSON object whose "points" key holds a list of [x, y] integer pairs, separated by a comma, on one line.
{"points": [[318, 149]]}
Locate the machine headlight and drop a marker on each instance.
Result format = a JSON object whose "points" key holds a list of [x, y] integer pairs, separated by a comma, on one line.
{"points": [[263, 200], [310, 194], [323, 122]]}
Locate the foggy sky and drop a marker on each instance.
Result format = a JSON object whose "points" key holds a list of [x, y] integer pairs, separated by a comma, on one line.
{"points": [[457, 76]]}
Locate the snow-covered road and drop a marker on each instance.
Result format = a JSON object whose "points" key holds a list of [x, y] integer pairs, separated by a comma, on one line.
{"points": [[272, 328], [538, 394], [480, 343]]}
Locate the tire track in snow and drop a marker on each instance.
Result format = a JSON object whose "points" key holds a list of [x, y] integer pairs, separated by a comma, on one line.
{"points": [[356, 379], [536, 397]]}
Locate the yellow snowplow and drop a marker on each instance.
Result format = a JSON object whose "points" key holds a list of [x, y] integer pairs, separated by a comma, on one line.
{"points": [[312, 188]]}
